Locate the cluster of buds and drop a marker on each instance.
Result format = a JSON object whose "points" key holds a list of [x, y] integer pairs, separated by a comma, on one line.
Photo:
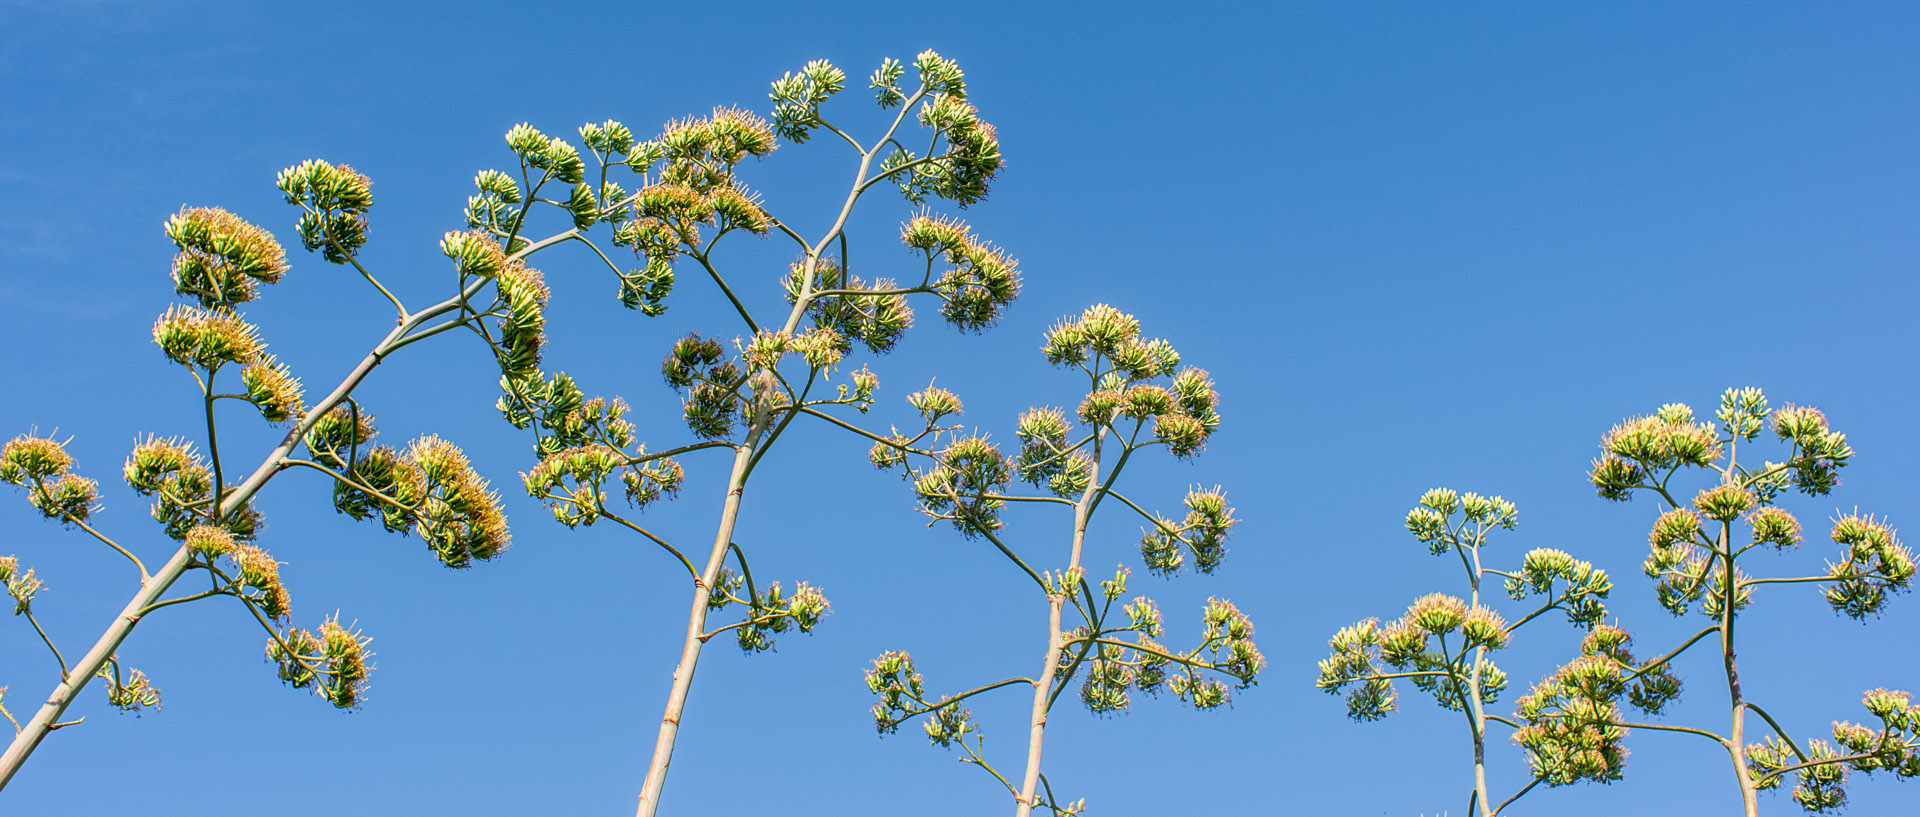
{"points": [[797, 97], [563, 415], [335, 200], [21, 585], [429, 489], [556, 159], [1820, 773], [1666, 440], [962, 484], [965, 155], [1106, 343], [222, 259], [980, 281], [1226, 650], [1573, 716], [903, 696], [774, 612], [1684, 570], [1875, 566], [170, 471], [1584, 588], [334, 662], [573, 480], [1046, 460], [131, 692], [1203, 533], [521, 297], [937, 75], [875, 314], [1818, 451], [209, 339], [700, 369], [1431, 521], [42, 466]]}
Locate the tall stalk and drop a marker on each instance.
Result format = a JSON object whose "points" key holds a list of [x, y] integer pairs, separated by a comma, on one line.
{"points": [[1692, 567], [1368, 658], [690, 195]]}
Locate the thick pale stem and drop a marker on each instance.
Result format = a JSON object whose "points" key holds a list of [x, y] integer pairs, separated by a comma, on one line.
{"points": [[696, 628], [1056, 643], [1736, 736], [1477, 709]]}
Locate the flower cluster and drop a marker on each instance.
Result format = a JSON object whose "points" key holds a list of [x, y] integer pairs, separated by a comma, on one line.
{"points": [[700, 368], [1202, 533], [1876, 565], [876, 314], [131, 693], [1573, 716], [1430, 521], [1106, 343], [980, 281], [903, 696], [21, 585], [429, 489], [774, 612], [1820, 772], [963, 485], [1584, 587], [41, 465], [335, 200], [521, 298], [209, 339], [334, 662], [222, 259], [1638, 449]]}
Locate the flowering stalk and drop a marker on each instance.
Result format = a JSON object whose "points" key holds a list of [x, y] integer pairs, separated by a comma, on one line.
{"points": [[429, 489], [1697, 553], [1138, 398], [1443, 643], [689, 195]]}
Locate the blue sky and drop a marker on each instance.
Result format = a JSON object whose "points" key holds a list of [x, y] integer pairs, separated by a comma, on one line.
{"points": [[1416, 245]]}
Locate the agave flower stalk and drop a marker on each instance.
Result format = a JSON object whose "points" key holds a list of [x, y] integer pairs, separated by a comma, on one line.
{"points": [[207, 506], [1700, 554], [1444, 644], [689, 194], [1138, 398]]}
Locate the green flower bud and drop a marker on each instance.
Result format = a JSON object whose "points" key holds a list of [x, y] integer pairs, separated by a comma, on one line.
{"points": [[222, 257]]}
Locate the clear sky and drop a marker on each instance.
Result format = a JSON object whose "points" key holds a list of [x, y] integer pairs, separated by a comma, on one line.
{"points": [[1416, 244]]}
